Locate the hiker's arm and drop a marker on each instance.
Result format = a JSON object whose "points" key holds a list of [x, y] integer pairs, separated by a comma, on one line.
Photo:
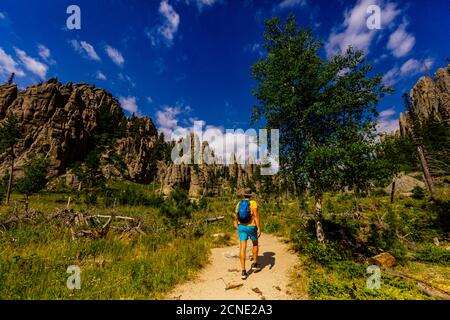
{"points": [[236, 221], [257, 220]]}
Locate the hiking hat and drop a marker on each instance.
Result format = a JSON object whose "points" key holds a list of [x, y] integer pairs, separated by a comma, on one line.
{"points": [[247, 192]]}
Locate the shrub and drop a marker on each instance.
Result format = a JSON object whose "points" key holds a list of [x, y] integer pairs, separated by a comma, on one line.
{"points": [[272, 225], [90, 198], [132, 197], [434, 254], [418, 193], [35, 178], [177, 207], [202, 204]]}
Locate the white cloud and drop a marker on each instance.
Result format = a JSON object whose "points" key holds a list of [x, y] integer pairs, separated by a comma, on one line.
{"points": [[224, 143], [45, 54], [391, 77], [100, 75], [254, 48], [386, 121], [149, 99], [401, 42], [8, 65], [127, 78], [38, 68], [169, 26], [2, 15], [289, 4], [167, 120], [354, 31], [387, 113], [115, 55], [410, 68], [129, 104], [86, 49], [201, 4]]}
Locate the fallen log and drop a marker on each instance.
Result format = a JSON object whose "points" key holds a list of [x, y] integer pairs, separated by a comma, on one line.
{"points": [[108, 217], [221, 218], [423, 286]]}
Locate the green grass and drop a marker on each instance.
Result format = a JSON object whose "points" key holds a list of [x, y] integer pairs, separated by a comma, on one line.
{"points": [[335, 271], [34, 258]]}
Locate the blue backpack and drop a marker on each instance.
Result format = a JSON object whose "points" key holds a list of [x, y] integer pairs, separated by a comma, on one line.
{"points": [[244, 214]]}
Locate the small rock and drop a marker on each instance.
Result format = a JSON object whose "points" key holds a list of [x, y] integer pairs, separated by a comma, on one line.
{"points": [[278, 288], [218, 235], [385, 260], [405, 195], [233, 285], [436, 241], [256, 290]]}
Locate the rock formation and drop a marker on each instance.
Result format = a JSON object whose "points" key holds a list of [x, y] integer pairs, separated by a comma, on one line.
{"points": [[68, 122], [205, 177], [61, 121], [430, 100]]}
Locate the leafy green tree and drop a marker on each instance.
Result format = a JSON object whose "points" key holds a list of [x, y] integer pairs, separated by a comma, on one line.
{"points": [[90, 174], [177, 207], [3, 186], [35, 178], [398, 154], [9, 135], [325, 109]]}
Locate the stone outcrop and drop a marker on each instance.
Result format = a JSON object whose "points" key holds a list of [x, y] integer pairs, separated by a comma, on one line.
{"points": [[384, 260], [405, 184], [205, 177], [430, 100], [60, 121]]}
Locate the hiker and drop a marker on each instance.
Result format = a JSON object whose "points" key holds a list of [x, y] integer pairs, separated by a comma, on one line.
{"points": [[249, 226]]}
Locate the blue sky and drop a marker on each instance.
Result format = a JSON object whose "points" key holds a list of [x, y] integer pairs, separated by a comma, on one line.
{"points": [[184, 60]]}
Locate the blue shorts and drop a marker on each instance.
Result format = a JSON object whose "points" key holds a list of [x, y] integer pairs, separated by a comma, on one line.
{"points": [[246, 232]]}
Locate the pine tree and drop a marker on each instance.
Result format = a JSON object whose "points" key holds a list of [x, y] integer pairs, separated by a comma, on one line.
{"points": [[9, 135], [35, 178], [11, 78], [417, 137]]}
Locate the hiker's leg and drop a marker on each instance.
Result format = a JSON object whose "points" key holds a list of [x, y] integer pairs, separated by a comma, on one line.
{"points": [[243, 248], [255, 251]]}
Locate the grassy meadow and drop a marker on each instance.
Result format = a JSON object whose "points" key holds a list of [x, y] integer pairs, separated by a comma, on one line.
{"points": [[34, 256]]}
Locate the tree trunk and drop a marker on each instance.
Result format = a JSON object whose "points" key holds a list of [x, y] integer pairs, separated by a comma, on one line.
{"points": [[318, 217], [8, 192], [393, 191], [426, 172]]}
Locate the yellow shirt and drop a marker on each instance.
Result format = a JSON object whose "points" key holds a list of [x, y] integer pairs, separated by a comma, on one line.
{"points": [[253, 207]]}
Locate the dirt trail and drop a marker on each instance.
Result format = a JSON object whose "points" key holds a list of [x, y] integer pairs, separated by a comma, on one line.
{"points": [[223, 270]]}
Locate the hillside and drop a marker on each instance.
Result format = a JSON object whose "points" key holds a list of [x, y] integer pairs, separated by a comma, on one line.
{"points": [[67, 122]]}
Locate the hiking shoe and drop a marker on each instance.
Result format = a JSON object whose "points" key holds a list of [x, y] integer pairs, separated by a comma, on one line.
{"points": [[256, 267], [244, 275]]}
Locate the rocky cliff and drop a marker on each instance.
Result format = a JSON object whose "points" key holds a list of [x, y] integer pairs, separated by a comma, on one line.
{"points": [[430, 100], [66, 122]]}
